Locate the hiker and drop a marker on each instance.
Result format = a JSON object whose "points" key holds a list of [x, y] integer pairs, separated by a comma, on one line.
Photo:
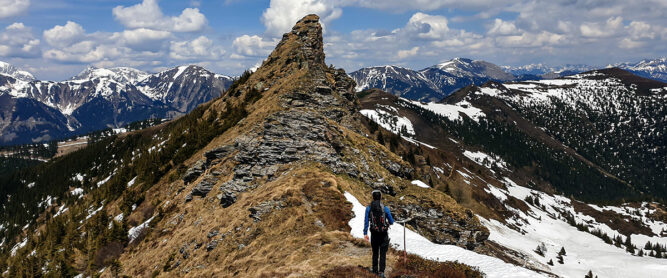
{"points": [[379, 218]]}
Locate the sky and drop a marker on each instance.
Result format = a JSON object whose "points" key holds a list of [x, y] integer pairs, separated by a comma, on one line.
{"points": [[56, 39]]}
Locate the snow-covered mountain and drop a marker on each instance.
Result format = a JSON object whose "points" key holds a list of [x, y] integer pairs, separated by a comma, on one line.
{"points": [[183, 87], [542, 71], [432, 83], [12, 71], [463, 67], [398, 81], [99, 98], [655, 68], [438, 81], [118, 74], [649, 68]]}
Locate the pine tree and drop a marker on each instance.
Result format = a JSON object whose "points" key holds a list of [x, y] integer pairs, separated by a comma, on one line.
{"points": [[562, 251], [540, 249], [380, 138], [652, 254], [640, 253], [550, 262], [628, 245], [560, 259], [589, 275], [648, 246]]}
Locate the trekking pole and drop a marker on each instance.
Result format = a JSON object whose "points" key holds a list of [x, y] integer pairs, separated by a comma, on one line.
{"points": [[405, 248]]}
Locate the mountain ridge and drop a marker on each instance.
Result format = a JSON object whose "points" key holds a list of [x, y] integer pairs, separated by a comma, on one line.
{"points": [[435, 82], [99, 98]]}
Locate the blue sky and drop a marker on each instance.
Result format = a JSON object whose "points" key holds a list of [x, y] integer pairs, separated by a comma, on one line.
{"points": [[56, 39]]}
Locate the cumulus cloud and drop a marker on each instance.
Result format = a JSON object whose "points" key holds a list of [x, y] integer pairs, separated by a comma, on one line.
{"points": [[85, 52], [640, 30], [527, 39], [64, 35], [501, 27], [598, 30], [402, 54], [17, 40], [427, 26], [282, 14], [141, 38], [10, 8], [201, 47], [254, 46], [148, 14]]}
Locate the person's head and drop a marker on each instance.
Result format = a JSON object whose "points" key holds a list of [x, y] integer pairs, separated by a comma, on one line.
{"points": [[377, 195]]}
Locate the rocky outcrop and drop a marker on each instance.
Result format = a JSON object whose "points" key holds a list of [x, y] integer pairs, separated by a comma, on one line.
{"points": [[204, 186], [264, 208], [443, 227], [194, 172]]}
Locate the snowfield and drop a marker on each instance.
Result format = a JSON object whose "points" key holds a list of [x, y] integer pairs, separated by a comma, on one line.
{"points": [[452, 111], [389, 121], [584, 251], [417, 244], [486, 160]]}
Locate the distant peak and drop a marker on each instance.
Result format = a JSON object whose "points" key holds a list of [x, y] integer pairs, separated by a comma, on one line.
{"points": [[13, 71]]}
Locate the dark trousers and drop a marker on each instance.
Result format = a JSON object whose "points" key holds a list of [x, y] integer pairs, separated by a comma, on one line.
{"points": [[379, 244]]}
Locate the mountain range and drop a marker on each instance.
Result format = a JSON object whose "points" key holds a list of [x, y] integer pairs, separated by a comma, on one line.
{"points": [[540, 178], [97, 98], [435, 82]]}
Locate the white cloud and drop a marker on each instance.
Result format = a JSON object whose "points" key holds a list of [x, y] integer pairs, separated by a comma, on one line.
{"points": [[527, 39], [201, 47], [282, 14], [402, 54], [501, 27], [85, 52], [427, 26], [598, 30], [13, 7], [140, 37], [149, 15], [64, 35], [640, 30], [17, 40], [253, 46], [628, 43]]}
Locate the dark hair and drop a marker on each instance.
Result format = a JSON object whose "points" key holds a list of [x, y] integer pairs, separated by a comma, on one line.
{"points": [[377, 195]]}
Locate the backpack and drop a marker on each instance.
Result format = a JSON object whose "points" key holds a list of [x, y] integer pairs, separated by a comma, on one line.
{"points": [[378, 223]]}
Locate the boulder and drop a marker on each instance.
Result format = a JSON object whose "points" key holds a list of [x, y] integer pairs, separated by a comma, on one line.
{"points": [[194, 172]]}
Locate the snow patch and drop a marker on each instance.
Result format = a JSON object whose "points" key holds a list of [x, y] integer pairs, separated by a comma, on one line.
{"points": [[486, 160], [389, 121], [420, 184], [134, 232], [452, 111]]}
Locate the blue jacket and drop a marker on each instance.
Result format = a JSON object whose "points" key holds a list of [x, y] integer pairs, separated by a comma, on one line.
{"points": [[368, 211]]}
